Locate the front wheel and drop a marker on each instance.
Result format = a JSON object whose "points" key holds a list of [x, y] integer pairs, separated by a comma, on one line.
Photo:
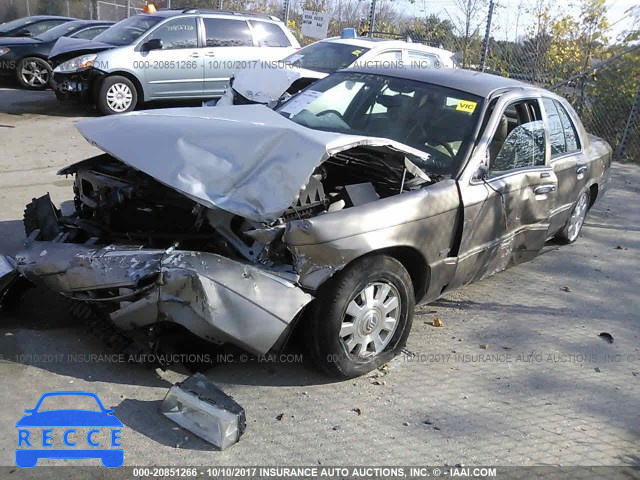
{"points": [[361, 318], [117, 95], [572, 228], [33, 73]]}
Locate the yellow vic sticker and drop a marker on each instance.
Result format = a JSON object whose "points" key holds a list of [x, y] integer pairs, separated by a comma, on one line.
{"points": [[467, 106]]}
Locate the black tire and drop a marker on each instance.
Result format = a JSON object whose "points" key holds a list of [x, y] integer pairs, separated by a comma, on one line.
{"points": [[571, 230], [327, 349], [33, 73], [116, 82]]}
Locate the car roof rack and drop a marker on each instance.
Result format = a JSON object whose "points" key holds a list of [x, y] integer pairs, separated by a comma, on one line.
{"points": [[226, 12]]}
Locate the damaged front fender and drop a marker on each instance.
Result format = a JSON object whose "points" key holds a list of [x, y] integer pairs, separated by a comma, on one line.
{"points": [[218, 299]]}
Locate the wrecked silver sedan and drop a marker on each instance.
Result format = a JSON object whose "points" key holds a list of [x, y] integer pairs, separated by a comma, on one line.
{"points": [[336, 213]]}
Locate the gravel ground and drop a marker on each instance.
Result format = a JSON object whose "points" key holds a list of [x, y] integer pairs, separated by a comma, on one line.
{"points": [[517, 374]]}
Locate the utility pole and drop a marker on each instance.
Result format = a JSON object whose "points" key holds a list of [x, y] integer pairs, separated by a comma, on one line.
{"points": [[372, 18], [487, 36], [286, 11]]}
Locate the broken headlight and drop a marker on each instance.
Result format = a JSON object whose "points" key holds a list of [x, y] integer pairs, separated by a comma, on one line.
{"points": [[77, 64]]}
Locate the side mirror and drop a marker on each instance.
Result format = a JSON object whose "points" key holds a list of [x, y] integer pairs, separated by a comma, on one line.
{"points": [[484, 167], [153, 44]]}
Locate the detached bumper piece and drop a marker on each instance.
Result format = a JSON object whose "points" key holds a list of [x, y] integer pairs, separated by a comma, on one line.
{"points": [[202, 408]]}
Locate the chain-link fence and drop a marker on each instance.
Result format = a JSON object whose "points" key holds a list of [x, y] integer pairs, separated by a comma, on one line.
{"points": [[567, 50]]}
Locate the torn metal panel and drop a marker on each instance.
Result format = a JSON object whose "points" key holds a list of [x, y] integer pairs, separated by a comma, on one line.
{"points": [[202, 408], [216, 298], [272, 84], [182, 149]]}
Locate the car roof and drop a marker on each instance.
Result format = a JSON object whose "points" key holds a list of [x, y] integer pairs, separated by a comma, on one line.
{"points": [[476, 83], [221, 13], [376, 42], [49, 17], [88, 23]]}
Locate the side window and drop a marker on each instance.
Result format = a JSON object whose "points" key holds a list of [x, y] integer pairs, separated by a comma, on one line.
{"points": [[556, 130], [41, 27], [221, 32], [423, 60], [570, 133], [176, 34], [519, 141], [89, 33], [269, 34]]}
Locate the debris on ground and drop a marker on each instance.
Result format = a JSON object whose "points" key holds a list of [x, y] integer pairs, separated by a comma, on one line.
{"points": [[437, 322], [280, 416], [607, 337], [199, 406], [357, 410], [565, 289], [598, 370], [483, 346]]}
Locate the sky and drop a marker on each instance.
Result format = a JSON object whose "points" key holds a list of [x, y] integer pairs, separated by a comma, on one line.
{"points": [[509, 25]]}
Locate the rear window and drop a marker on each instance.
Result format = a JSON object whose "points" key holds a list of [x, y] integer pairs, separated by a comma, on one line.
{"points": [[269, 34], [221, 32], [326, 57]]}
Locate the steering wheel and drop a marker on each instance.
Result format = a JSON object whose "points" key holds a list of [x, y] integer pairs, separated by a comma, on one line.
{"points": [[436, 141], [335, 112], [446, 146]]}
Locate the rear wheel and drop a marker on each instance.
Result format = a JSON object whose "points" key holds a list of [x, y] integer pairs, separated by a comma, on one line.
{"points": [[117, 95], [572, 228], [362, 317], [33, 73]]}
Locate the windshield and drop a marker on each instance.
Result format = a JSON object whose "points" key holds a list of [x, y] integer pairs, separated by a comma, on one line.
{"points": [[325, 57], [437, 120], [59, 31], [13, 24], [128, 30]]}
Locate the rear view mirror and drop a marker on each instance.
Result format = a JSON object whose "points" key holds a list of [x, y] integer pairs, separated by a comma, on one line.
{"points": [[153, 44]]}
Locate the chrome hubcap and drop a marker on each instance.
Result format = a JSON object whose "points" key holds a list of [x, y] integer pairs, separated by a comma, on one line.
{"points": [[35, 74], [371, 319], [577, 217], [119, 97]]}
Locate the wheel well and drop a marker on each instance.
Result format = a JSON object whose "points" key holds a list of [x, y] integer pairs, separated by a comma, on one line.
{"points": [[132, 78], [593, 194], [415, 264]]}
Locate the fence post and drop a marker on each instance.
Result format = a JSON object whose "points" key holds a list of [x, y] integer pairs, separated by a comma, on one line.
{"points": [[286, 11], [622, 149], [487, 37], [372, 18]]}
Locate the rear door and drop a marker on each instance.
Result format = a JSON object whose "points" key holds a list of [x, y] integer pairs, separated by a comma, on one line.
{"points": [[229, 47], [176, 70], [507, 210], [567, 160]]}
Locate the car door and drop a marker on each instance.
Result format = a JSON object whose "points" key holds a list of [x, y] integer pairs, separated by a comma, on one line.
{"points": [[567, 160], [507, 200], [177, 69], [229, 47]]}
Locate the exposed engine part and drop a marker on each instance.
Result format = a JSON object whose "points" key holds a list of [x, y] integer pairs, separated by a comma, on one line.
{"points": [[311, 200]]}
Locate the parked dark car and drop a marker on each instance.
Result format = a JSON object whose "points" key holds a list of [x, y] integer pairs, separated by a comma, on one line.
{"points": [[26, 57], [31, 26], [368, 192]]}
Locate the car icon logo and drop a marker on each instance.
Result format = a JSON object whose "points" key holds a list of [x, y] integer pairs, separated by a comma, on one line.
{"points": [[69, 433]]}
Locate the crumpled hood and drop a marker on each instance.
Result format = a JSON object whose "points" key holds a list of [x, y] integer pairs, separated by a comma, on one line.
{"points": [[248, 160], [264, 84], [66, 45]]}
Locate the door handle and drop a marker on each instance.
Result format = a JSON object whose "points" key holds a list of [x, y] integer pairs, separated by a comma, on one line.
{"points": [[542, 189], [545, 175], [195, 55], [581, 169]]}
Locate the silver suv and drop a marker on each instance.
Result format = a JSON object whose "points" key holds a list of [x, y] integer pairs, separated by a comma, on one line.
{"points": [[169, 54]]}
